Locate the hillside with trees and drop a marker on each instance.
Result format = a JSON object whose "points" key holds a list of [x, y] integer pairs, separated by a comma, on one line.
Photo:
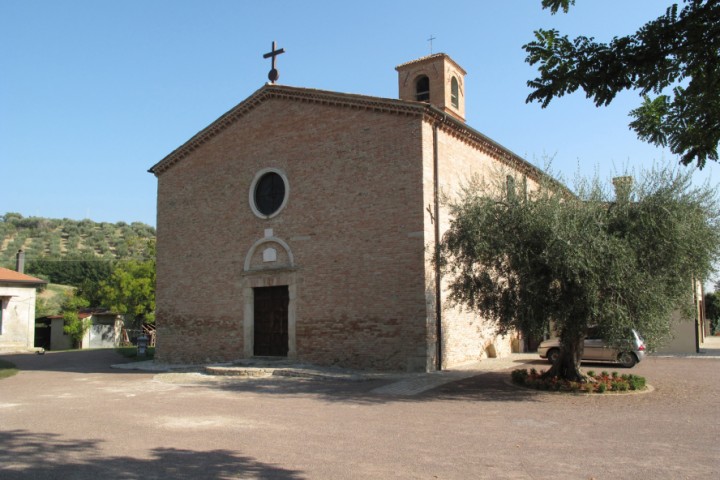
{"points": [[50, 240], [99, 264]]}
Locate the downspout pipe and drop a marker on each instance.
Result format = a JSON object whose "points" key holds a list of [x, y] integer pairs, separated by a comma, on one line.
{"points": [[696, 302], [436, 214]]}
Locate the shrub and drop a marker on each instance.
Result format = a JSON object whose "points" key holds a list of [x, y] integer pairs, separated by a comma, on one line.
{"points": [[597, 383], [636, 382], [519, 376]]}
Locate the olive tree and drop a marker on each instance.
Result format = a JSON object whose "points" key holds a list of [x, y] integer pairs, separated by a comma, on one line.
{"points": [[579, 260]]}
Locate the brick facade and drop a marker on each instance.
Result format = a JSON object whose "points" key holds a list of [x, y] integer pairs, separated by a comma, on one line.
{"points": [[354, 242]]}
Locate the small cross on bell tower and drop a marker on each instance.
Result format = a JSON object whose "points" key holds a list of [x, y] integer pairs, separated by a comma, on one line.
{"points": [[273, 75]]}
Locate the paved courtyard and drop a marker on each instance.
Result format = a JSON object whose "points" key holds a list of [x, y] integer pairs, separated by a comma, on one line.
{"points": [[71, 416]]}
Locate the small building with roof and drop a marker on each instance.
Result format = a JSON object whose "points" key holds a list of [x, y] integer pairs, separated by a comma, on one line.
{"points": [[17, 310], [104, 330]]}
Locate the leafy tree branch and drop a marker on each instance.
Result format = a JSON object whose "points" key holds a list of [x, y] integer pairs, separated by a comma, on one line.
{"points": [[675, 57]]}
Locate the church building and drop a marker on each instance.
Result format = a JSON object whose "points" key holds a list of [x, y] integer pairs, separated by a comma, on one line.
{"points": [[302, 224]]}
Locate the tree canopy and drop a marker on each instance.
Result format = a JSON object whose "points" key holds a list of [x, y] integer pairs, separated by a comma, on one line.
{"points": [[581, 261], [74, 326], [675, 57], [129, 289]]}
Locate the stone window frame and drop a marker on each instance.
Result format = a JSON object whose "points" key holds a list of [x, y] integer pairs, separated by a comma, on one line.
{"points": [[253, 186]]}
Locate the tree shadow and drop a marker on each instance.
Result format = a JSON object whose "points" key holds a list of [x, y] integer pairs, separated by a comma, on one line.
{"points": [[79, 361], [485, 387], [25, 454]]}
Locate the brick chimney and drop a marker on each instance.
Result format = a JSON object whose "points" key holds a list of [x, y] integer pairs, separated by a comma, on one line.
{"points": [[20, 262]]}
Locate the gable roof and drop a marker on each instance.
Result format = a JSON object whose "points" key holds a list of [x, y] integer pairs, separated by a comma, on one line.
{"points": [[13, 277], [347, 100]]}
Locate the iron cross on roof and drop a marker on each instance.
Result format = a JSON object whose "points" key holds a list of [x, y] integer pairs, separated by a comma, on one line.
{"points": [[273, 75], [432, 37]]}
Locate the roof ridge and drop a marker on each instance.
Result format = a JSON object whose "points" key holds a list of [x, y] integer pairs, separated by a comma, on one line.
{"points": [[281, 91], [390, 105], [11, 276]]}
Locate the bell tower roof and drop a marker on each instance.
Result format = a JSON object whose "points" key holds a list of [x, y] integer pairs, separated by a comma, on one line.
{"points": [[436, 79]]}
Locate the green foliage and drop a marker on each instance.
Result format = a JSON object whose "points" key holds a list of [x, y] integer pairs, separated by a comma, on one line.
{"points": [[43, 307], [555, 5], [592, 383], [74, 326], [50, 301], [583, 260], [130, 288], [712, 311], [131, 352], [7, 369], [636, 382], [53, 240], [676, 57], [73, 270], [519, 376]]}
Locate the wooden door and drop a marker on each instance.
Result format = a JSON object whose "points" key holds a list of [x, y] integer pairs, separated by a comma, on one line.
{"points": [[271, 321]]}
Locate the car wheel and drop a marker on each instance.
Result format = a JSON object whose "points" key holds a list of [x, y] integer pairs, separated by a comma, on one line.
{"points": [[553, 354], [627, 359]]}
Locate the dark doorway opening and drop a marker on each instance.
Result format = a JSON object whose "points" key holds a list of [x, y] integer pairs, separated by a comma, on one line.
{"points": [[271, 321]]}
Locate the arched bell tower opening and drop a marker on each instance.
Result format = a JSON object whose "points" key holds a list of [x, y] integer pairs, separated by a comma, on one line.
{"points": [[422, 89], [435, 79]]}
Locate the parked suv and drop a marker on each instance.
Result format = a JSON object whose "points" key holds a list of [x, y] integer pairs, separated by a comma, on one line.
{"points": [[596, 350]]}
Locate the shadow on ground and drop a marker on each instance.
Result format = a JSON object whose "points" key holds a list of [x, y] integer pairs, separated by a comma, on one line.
{"points": [[26, 454], [490, 386], [80, 361]]}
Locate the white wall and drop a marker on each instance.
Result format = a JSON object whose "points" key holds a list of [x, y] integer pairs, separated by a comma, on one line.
{"points": [[17, 329]]}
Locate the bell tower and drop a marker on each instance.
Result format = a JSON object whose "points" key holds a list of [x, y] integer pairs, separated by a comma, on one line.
{"points": [[435, 79]]}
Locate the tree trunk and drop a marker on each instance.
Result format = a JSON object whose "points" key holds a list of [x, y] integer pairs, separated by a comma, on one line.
{"points": [[567, 365]]}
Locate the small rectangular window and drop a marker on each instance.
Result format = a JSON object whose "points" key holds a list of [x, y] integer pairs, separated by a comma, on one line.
{"points": [[454, 93]]}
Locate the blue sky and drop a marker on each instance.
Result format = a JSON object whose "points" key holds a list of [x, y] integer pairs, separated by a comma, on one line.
{"points": [[93, 92]]}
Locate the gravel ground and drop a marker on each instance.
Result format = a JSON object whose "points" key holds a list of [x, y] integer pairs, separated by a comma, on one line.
{"points": [[71, 416]]}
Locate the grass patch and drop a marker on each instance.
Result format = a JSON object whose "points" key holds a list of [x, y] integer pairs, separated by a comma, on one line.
{"points": [[603, 383], [7, 369], [131, 353]]}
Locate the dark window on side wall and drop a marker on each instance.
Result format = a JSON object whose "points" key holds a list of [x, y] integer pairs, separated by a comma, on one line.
{"points": [[422, 89], [454, 93]]}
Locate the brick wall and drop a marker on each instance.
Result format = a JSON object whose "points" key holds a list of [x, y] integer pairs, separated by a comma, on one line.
{"points": [[466, 335], [353, 223]]}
